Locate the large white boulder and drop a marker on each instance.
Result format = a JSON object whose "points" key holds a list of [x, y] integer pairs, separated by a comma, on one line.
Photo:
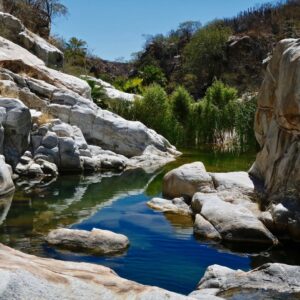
{"points": [[235, 223], [19, 60], [96, 241], [31, 277], [187, 180]]}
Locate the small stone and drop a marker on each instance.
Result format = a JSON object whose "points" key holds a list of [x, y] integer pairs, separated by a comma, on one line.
{"points": [[35, 170], [50, 140], [25, 160]]}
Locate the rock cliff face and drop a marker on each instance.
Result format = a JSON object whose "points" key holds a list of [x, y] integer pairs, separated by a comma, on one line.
{"points": [[277, 124], [75, 134], [12, 29], [277, 129]]}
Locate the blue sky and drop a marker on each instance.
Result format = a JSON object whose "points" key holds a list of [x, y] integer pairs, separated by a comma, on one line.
{"points": [[115, 28]]}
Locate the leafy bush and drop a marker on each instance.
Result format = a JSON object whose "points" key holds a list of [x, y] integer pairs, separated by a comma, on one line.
{"points": [[218, 113], [153, 109], [152, 74], [218, 118], [98, 94], [133, 85], [181, 102], [245, 123]]}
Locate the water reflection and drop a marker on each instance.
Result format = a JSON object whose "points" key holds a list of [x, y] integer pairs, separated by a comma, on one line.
{"points": [[40, 208], [5, 203], [163, 249]]}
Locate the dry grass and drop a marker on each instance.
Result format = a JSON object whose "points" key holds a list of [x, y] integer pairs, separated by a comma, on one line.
{"points": [[45, 118]]}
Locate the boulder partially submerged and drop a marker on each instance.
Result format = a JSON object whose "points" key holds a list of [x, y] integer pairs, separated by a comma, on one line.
{"points": [[186, 180], [96, 241], [224, 204], [234, 223], [175, 206]]}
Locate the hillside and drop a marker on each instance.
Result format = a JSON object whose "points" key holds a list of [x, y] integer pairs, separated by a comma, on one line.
{"points": [[230, 49]]}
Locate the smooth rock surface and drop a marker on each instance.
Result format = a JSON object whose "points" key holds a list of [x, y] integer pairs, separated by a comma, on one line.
{"points": [[186, 181], [277, 123], [235, 223], [96, 241], [270, 281], [152, 159], [233, 180], [18, 60], [12, 29], [277, 130], [204, 229], [31, 277]]}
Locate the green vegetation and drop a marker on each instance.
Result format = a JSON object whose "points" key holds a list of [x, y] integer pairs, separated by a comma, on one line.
{"points": [[220, 118], [219, 107], [98, 94], [133, 85], [177, 73]]}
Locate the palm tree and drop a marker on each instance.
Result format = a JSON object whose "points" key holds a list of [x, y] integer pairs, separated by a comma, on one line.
{"points": [[76, 51]]}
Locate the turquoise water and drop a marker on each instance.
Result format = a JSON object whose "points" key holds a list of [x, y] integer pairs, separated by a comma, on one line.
{"points": [[163, 250]]}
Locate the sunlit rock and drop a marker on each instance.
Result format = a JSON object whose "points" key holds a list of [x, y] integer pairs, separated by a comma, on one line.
{"points": [[96, 241], [270, 281], [31, 277], [187, 180]]}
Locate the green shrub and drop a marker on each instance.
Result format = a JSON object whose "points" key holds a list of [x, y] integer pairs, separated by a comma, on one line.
{"points": [[245, 123], [98, 94], [184, 122], [152, 74], [181, 102], [133, 85], [153, 109], [218, 112]]}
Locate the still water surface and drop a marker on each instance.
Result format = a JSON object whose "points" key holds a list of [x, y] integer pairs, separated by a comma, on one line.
{"points": [[163, 250]]}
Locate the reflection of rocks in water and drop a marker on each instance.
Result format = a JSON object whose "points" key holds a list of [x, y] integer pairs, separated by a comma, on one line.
{"points": [[5, 203], [182, 224], [62, 203], [287, 254]]}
